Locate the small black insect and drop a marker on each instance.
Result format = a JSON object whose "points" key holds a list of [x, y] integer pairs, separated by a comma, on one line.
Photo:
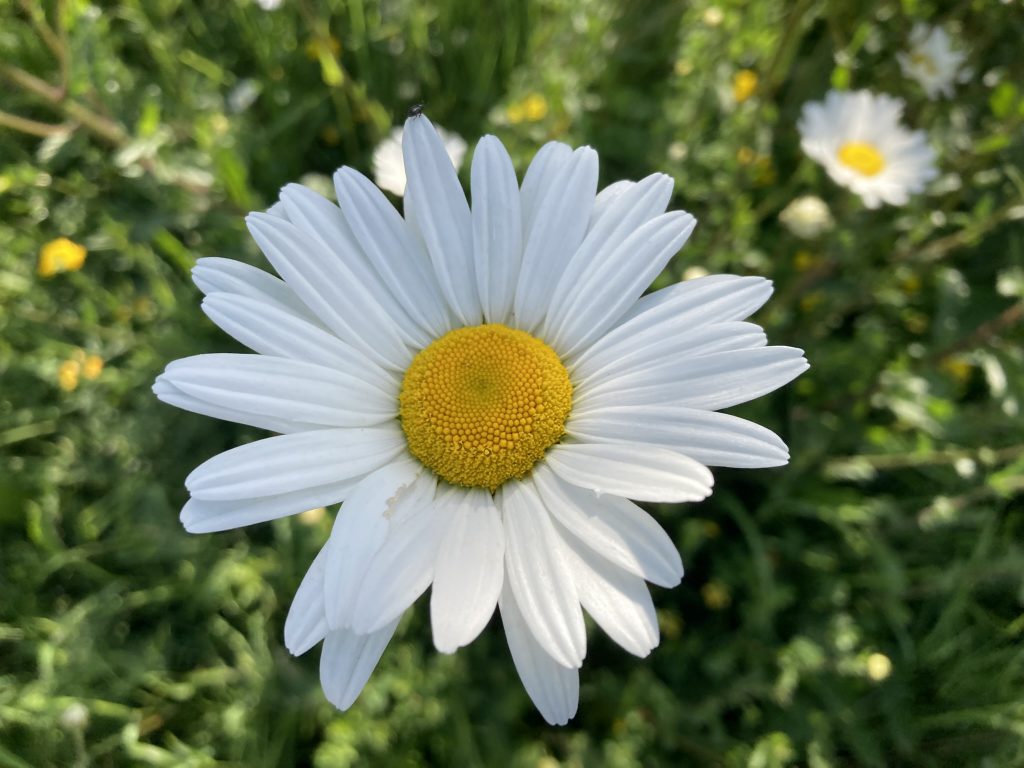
{"points": [[416, 110]]}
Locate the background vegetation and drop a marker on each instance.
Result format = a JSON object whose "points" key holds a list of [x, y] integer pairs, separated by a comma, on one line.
{"points": [[862, 606]]}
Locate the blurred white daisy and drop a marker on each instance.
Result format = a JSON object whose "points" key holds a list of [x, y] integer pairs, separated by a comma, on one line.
{"points": [[485, 389], [858, 138], [932, 61], [807, 216], [389, 166]]}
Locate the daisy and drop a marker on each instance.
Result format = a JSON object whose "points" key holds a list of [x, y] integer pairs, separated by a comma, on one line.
{"points": [[485, 389], [932, 62], [389, 166], [807, 216], [858, 138]]}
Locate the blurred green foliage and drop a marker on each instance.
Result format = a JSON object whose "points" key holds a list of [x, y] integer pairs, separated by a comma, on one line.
{"points": [[862, 606]]}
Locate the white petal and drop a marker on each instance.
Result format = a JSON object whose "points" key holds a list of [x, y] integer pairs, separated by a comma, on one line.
{"points": [[710, 382], [604, 362], [469, 571], [394, 252], [497, 228], [714, 439], [347, 661], [294, 462], [539, 576], [201, 516], [614, 527], [320, 218], [306, 624], [617, 277], [633, 470], [359, 532], [547, 165], [403, 567], [553, 688], [704, 300], [214, 274], [555, 227], [331, 290], [605, 198], [168, 393], [289, 390], [632, 208], [442, 216], [271, 331], [618, 601]]}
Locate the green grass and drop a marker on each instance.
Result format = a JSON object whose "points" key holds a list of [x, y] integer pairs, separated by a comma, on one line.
{"points": [[897, 529]]}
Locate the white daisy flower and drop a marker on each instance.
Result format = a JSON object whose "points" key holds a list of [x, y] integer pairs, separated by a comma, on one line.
{"points": [[807, 216], [389, 166], [485, 389], [932, 62], [858, 138]]}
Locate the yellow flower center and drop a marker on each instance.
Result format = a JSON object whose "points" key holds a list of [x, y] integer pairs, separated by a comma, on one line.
{"points": [[925, 62], [862, 157], [480, 405]]}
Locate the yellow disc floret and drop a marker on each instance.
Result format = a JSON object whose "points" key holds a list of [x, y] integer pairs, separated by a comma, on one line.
{"points": [[862, 157], [480, 405]]}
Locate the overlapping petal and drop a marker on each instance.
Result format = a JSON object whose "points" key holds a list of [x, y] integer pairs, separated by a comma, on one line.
{"points": [[469, 570]]}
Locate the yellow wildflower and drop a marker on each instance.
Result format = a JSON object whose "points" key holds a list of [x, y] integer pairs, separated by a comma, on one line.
{"points": [[805, 260], [92, 367], [958, 369], [911, 284], [716, 595], [744, 83], [60, 255], [745, 155], [811, 301], [67, 375], [535, 107], [528, 110]]}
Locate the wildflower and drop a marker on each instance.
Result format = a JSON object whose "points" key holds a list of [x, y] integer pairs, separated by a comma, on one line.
{"points": [[60, 255], [485, 389], [389, 166], [744, 83], [858, 138], [805, 260], [807, 217], [716, 595], [67, 375], [92, 367], [530, 110], [932, 62]]}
